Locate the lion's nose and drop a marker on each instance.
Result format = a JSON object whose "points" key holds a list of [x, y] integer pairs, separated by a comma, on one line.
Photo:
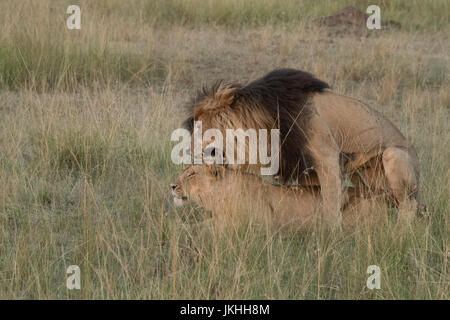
{"points": [[173, 186]]}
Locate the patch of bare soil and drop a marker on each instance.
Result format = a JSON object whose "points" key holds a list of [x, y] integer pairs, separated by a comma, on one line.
{"points": [[349, 20], [349, 16]]}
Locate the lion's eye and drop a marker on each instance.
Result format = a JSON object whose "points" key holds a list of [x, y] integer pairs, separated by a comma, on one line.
{"points": [[191, 175]]}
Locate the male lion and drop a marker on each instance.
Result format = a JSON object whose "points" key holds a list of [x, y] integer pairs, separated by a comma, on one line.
{"points": [[226, 192], [321, 132]]}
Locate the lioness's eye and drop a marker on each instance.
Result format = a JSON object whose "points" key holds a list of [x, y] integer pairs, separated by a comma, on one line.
{"points": [[191, 175]]}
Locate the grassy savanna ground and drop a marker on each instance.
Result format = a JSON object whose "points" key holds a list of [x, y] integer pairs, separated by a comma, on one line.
{"points": [[85, 123]]}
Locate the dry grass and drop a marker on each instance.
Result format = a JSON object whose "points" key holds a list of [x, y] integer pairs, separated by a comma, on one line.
{"points": [[85, 123]]}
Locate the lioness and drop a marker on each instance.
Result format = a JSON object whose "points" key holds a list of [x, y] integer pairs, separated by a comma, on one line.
{"points": [[320, 131], [225, 191]]}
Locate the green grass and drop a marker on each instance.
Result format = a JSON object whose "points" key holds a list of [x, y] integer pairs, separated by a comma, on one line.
{"points": [[85, 124], [47, 56], [411, 15], [99, 199], [237, 13], [46, 64]]}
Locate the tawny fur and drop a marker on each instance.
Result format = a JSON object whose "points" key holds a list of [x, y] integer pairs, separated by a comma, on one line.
{"points": [[319, 129], [227, 193]]}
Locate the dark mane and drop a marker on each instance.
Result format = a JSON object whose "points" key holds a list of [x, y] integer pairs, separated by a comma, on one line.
{"points": [[283, 94]]}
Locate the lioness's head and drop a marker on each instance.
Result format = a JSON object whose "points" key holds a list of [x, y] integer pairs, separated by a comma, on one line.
{"points": [[194, 182]]}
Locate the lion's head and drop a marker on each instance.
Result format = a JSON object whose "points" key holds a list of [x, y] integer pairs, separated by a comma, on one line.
{"points": [[276, 101]]}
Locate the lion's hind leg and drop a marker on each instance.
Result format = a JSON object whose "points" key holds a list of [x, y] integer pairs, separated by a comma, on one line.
{"points": [[402, 180]]}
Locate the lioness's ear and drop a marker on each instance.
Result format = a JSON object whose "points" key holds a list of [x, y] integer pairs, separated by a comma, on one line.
{"points": [[219, 171], [215, 170]]}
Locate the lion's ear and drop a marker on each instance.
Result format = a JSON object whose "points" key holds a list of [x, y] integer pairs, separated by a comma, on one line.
{"points": [[188, 124], [213, 153], [225, 94]]}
